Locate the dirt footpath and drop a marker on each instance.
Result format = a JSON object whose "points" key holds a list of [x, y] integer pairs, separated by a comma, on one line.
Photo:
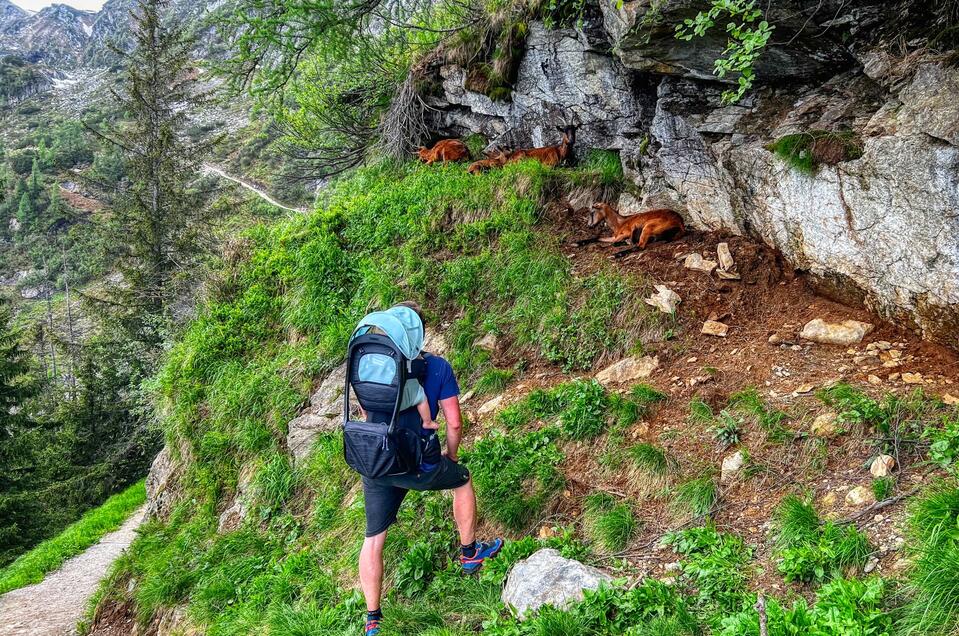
{"points": [[53, 606]]}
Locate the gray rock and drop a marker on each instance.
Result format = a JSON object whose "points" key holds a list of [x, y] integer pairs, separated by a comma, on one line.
{"points": [[159, 482], [732, 465], [324, 414], [929, 103], [644, 34], [233, 516], [846, 333], [563, 78], [628, 370], [547, 578]]}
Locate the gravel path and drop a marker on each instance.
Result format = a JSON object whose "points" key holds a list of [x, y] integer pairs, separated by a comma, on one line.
{"points": [[53, 606]]}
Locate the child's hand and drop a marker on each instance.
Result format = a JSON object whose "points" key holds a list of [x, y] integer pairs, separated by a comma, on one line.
{"points": [[431, 425]]}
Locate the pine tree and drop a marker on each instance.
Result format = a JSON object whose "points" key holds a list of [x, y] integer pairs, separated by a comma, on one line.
{"points": [[158, 222], [36, 183], [21, 446], [25, 211]]}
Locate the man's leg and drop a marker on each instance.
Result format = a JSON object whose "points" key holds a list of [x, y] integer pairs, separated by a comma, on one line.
{"points": [[464, 512], [371, 570]]}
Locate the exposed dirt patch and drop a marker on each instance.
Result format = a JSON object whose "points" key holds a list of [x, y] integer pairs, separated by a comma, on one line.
{"points": [[770, 301]]}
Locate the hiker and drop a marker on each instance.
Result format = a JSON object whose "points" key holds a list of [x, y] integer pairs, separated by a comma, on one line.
{"points": [[436, 470]]}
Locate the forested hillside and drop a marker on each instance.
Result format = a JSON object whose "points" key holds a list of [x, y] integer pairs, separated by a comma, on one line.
{"points": [[747, 425]]}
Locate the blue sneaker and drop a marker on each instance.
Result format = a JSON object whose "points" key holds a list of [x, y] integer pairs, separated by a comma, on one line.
{"points": [[484, 550], [372, 627]]}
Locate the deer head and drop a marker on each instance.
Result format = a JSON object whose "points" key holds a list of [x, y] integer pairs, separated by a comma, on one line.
{"points": [[597, 214]]}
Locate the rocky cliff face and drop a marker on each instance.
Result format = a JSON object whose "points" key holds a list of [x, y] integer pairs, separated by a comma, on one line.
{"points": [[877, 227]]}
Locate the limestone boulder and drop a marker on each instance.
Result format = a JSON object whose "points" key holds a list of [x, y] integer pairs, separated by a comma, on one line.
{"points": [[847, 332], [628, 370], [547, 578], [159, 482], [324, 414]]}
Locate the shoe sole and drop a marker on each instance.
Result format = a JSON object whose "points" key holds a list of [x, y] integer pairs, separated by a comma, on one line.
{"points": [[480, 566]]}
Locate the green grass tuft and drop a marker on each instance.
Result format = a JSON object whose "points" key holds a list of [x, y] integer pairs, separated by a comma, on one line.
{"points": [[806, 151], [653, 459], [932, 592], [695, 497], [700, 412], [494, 381], [883, 487], [610, 524], [49, 555]]}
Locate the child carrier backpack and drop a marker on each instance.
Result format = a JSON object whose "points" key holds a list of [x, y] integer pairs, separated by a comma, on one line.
{"points": [[380, 446]]}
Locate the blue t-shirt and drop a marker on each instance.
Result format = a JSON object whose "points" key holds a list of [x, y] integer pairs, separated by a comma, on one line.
{"points": [[439, 383]]}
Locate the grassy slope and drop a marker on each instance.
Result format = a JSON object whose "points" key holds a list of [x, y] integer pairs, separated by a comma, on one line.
{"points": [[49, 555], [477, 252]]}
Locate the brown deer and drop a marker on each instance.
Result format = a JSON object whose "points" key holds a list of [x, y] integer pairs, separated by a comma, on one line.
{"points": [[659, 223], [549, 155], [495, 159], [444, 150]]}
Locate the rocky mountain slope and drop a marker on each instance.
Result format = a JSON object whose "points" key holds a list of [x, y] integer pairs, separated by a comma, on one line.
{"points": [[62, 38], [55, 35]]}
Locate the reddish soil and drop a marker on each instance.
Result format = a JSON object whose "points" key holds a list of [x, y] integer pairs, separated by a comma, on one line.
{"points": [[769, 300]]}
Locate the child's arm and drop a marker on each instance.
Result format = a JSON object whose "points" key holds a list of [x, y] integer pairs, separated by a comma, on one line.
{"points": [[424, 410]]}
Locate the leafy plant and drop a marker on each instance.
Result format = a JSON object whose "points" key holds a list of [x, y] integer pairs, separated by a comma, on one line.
{"points": [[515, 474], [843, 606], [714, 565], [809, 550], [944, 447], [415, 570], [727, 429], [584, 416], [747, 39]]}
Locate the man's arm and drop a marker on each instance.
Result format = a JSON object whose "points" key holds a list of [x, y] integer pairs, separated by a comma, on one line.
{"points": [[454, 425]]}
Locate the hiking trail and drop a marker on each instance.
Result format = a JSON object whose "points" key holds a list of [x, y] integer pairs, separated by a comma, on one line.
{"points": [[209, 168], [53, 606]]}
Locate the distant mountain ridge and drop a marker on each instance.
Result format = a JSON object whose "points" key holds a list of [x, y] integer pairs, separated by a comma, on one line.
{"points": [[63, 38]]}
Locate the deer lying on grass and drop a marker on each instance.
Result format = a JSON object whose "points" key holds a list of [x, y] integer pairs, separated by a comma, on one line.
{"points": [[649, 225], [444, 150], [495, 159], [550, 155]]}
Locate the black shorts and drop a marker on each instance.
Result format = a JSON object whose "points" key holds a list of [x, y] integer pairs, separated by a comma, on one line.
{"points": [[383, 496]]}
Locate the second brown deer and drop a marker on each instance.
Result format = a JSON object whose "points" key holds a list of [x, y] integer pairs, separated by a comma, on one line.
{"points": [[549, 155]]}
